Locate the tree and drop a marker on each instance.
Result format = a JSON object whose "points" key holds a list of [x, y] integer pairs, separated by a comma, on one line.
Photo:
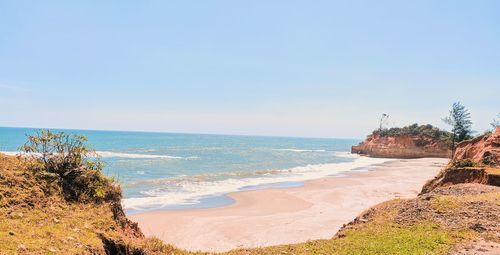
{"points": [[383, 121], [67, 159], [496, 122], [459, 119], [60, 153]]}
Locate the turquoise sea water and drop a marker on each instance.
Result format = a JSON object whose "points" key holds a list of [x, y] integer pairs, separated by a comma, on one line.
{"points": [[167, 170]]}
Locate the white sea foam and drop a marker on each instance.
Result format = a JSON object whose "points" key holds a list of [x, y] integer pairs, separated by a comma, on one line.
{"points": [[299, 150], [111, 154], [345, 154], [190, 190], [19, 153], [11, 153]]}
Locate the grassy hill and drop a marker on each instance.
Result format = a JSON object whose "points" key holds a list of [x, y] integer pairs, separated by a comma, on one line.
{"points": [[36, 218]]}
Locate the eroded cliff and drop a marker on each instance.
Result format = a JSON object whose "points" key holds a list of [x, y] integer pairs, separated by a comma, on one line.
{"points": [[484, 149], [475, 161], [402, 146]]}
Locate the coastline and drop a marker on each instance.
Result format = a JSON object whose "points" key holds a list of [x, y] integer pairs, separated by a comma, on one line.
{"points": [[213, 193], [267, 217]]}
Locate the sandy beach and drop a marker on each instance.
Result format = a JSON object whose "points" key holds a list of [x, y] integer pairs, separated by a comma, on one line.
{"points": [[290, 215]]}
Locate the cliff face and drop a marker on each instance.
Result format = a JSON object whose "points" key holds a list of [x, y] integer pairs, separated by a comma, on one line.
{"points": [[475, 161], [459, 174], [484, 149], [402, 146]]}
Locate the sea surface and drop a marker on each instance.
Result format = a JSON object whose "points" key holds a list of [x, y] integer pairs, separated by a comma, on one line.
{"points": [[176, 171]]}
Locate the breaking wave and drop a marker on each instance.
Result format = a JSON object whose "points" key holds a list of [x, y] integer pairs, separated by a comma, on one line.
{"points": [[111, 154], [185, 190], [299, 150]]}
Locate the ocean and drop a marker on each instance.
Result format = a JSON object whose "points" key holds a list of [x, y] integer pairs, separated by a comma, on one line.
{"points": [[176, 171]]}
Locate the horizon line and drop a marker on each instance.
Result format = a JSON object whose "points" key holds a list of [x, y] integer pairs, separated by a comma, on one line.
{"points": [[182, 133]]}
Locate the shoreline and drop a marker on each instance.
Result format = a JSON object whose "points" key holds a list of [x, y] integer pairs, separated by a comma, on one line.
{"points": [[221, 200], [215, 190], [273, 216]]}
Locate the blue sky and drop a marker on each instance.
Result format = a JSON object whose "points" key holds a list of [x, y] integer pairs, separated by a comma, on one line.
{"points": [[291, 68]]}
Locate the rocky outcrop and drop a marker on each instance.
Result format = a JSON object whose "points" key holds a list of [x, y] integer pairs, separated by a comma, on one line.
{"points": [[402, 146], [484, 149], [475, 161], [456, 175]]}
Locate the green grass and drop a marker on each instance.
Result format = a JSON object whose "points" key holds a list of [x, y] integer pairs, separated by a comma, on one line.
{"points": [[421, 238], [71, 228], [376, 238], [444, 203]]}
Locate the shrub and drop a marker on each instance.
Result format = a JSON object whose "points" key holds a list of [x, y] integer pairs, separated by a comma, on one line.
{"points": [[76, 167], [464, 163]]}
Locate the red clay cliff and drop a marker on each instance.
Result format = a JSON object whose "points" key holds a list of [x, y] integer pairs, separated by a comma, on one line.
{"points": [[402, 146], [484, 149], [475, 161]]}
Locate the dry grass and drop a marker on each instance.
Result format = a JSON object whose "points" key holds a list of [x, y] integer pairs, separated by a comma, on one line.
{"points": [[35, 217], [493, 171], [69, 228]]}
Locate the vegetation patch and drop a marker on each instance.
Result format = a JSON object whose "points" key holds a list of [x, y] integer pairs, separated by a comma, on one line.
{"points": [[463, 163], [414, 130], [68, 228], [66, 159], [54, 199], [392, 238], [443, 204], [421, 238]]}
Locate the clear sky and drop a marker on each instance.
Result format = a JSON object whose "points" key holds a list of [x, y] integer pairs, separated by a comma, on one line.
{"points": [[290, 68]]}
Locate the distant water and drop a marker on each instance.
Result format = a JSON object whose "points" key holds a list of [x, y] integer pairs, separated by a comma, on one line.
{"points": [[167, 170]]}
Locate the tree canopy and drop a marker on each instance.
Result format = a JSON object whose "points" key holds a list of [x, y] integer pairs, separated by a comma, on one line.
{"points": [[460, 120]]}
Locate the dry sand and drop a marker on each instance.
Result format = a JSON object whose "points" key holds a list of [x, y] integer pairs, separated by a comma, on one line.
{"points": [[290, 215]]}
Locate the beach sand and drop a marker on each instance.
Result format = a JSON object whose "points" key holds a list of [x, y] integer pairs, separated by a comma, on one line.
{"points": [[290, 215]]}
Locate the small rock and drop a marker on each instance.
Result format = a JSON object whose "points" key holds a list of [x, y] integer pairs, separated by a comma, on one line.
{"points": [[11, 233], [22, 248], [478, 227]]}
